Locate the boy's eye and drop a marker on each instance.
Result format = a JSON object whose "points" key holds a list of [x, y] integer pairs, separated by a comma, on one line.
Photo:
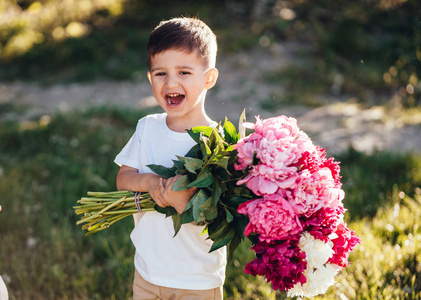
{"points": [[185, 73], [160, 74]]}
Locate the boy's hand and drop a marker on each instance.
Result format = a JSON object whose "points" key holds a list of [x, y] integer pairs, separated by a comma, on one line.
{"points": [[154, 191], [176, 199]]}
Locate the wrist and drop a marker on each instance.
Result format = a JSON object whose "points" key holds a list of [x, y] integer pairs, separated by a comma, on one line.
{"points": [[152, 182]]}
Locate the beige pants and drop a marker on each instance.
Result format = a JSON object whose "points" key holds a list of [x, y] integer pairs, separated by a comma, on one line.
{"points": [[144, 290]]}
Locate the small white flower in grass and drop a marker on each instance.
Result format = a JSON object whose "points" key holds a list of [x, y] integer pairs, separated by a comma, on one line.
{"points": [[32, 242]]}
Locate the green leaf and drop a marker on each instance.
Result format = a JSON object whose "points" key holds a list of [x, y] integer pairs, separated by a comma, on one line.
{"points": [[217, 228], [193, 151], [181, 184], [222, 241], [236, 201], [204, 147], [222, 174], [214, 153], [197, 202], [190, 204], [198, 198], [214, 140], [230, 132], [210, 214], [222, 162], [240, 224], [208, 211], [176, 218], [179, 165], [187, 216], [241, 128], [204, 179], [193, 164], [168, 211], [204, 231], [217, 191], [230, 148], [230, 217], [195, 132], [199, 193], [162, 171], [233, 244], [217, 135], [195, 135]]}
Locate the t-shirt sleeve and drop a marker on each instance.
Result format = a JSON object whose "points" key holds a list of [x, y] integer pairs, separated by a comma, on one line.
{"points": [[129, 155]]}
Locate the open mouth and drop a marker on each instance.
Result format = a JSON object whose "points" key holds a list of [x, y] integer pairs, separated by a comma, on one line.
{"points": [[174, 99]]}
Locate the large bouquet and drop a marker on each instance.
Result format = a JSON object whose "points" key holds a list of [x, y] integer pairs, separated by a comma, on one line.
{"points": [[273, 186], [298, 215]]}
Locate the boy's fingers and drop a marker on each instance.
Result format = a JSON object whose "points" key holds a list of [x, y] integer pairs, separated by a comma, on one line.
{"points": [[161, 186], [172, 180], [161, 203]]}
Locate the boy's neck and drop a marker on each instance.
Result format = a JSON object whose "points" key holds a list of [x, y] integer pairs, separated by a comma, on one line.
{"points": [[181, 124]]}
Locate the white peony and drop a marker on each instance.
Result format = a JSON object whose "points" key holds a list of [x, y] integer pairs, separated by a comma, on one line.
{"points": [[318, 281], [317, 252], [320, 275]]}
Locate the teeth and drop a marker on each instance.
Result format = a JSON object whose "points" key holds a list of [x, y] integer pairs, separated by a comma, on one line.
{"points": [[169, 96]]}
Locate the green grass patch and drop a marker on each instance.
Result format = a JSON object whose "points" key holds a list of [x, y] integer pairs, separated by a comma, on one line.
{"points": [[47, 166], [370, 181]]}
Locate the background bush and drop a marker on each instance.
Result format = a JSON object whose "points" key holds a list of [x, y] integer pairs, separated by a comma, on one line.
{"points": [[369, 49]]}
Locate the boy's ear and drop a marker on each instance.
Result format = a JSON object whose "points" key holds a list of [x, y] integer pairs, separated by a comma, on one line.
{"points": [[149, 77], [211, 78]]}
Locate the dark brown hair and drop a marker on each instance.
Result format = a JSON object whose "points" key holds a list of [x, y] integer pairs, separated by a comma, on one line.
{"points": [[187, 34]]}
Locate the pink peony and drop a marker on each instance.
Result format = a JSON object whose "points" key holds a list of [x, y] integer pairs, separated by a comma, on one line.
{"points": [[246, 150], [323, 222], [264, 180], [282, 263], [271, 217], [311, 160], [344, 241], [277, 152], [259, 185], [334, 169], [313, 191], [282, 143]]}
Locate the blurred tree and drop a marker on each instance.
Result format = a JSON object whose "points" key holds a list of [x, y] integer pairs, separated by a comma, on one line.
{"points": [[373, 44], [44, 37]]}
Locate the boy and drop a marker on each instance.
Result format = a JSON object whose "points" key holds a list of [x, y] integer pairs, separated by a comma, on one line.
{"points": [[181, 56]]}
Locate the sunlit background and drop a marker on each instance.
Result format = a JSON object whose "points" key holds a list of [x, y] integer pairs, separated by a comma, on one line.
{"points": [[73, 84]]}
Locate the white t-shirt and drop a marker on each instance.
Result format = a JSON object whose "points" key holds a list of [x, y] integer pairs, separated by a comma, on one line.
{"points": [[182, 261]]}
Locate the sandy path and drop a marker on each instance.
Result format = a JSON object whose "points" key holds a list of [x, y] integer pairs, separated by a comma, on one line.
{"points": [[240, 85]]}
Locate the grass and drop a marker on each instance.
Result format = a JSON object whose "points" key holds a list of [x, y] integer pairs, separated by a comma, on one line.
{"points": [[47, 166]]}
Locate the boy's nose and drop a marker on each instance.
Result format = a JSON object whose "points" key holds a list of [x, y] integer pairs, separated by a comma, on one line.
{"points": [[171, 81]]}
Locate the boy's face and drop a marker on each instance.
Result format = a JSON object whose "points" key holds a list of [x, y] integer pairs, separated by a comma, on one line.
{"points": [[179, 83]]}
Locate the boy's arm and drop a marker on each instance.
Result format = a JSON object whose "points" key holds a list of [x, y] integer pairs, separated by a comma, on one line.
{"points": [[160, 189], [129, 179]]}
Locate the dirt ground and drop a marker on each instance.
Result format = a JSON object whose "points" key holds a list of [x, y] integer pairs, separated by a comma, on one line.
{"points": [[334, 126]]}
